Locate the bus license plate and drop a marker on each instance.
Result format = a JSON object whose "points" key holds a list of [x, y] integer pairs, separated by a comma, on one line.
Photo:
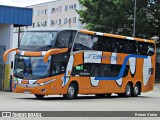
{"points": [[27, 92]]}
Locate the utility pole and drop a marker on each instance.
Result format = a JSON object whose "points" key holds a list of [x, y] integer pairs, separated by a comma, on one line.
{"points": [[19, 32], [134, 25], [69, 22]]}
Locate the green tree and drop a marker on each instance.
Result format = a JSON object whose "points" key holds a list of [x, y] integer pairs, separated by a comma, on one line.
{"points": [[117, 16]]}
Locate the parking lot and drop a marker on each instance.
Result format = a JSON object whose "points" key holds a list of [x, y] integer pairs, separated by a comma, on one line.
{"points": [[26, 102]]}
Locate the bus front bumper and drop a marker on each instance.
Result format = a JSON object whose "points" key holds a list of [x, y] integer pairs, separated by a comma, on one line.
{"points": [[45, 88]]}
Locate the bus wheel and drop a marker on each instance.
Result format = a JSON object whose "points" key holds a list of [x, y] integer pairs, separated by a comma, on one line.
{"points": [[136, 90], [39, 96], [72, 91], [128, 90]]}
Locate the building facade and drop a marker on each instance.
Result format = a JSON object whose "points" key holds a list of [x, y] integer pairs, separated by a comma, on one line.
{"points": [[58, 13], [10, 17]]}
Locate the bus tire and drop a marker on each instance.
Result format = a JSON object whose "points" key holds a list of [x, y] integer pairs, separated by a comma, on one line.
{"points": [[71, 92], [136, 90], [39, 96], [128, 90]]}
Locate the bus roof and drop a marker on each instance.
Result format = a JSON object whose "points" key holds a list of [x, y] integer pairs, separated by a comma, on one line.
{"points": [[50, 29], [116, 36], [93, 33]]}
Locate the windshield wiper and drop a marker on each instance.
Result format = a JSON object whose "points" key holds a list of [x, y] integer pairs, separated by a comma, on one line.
{"points": [[19, 75]]}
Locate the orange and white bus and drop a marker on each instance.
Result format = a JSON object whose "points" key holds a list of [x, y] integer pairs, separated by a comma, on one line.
{"points": [[69, 62]]}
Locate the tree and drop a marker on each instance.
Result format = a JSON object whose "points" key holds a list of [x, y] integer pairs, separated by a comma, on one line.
{"points": [[117, 16]]}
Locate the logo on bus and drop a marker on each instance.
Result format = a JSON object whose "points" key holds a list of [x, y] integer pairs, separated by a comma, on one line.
{"points": [[94, 56]]}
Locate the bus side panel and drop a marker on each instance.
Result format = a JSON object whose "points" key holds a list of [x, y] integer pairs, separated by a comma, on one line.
{"points": [[151, 72]]}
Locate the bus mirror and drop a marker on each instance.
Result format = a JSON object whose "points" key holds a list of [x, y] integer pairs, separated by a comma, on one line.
{"points": [[7, 52], [53, 51]]}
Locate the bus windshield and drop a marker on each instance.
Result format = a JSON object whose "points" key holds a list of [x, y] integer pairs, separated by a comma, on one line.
{"points": [[31, 67], [38, 40]]}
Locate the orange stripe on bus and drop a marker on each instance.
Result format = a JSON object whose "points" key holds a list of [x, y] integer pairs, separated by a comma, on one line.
{"points": [[87, 32], [53, 51], [115, 36], [36, 54], [24, 82], [7, 52]]}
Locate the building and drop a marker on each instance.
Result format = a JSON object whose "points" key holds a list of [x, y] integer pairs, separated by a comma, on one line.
{"points": [[10, 17], [58, 13]]}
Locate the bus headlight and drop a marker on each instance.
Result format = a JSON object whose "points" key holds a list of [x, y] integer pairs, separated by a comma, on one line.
{"points": [[45, 83], [16, 82]]}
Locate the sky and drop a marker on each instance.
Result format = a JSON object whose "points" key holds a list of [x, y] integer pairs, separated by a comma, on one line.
{"points": [[22, 3]]}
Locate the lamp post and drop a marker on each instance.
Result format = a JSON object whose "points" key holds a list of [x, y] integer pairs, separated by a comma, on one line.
{"points": [[134, 25], [69, 22]]}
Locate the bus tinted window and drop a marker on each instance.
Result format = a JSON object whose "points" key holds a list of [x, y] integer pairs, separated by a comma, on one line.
{"points": [[111, 44], [33, 40], [84, 42], [63, 39], [98, 70], [59, 63]]}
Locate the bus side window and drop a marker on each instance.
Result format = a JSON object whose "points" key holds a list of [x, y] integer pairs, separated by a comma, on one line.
{"points": [[55, 68], [95, 42], [83, 42], [140, 49], [150, 50], [110, 45], [100, 44], [132, 47]]}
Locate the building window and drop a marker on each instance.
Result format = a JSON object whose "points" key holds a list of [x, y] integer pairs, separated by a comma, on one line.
{"points": [[53, 22], [45, 11], [33, 25], [74, 19], [65, 20], [53, 10], [75, 6], [38, 24], [34, 13], [59, 21], [45, 23], [66, 8], [71, 7]]}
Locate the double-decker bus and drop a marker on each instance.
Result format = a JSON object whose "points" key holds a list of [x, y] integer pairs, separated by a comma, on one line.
{"points": [[69, 62]]}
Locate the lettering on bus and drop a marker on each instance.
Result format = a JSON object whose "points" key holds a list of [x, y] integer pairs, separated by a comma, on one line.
{"points": [[94, 56]]}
